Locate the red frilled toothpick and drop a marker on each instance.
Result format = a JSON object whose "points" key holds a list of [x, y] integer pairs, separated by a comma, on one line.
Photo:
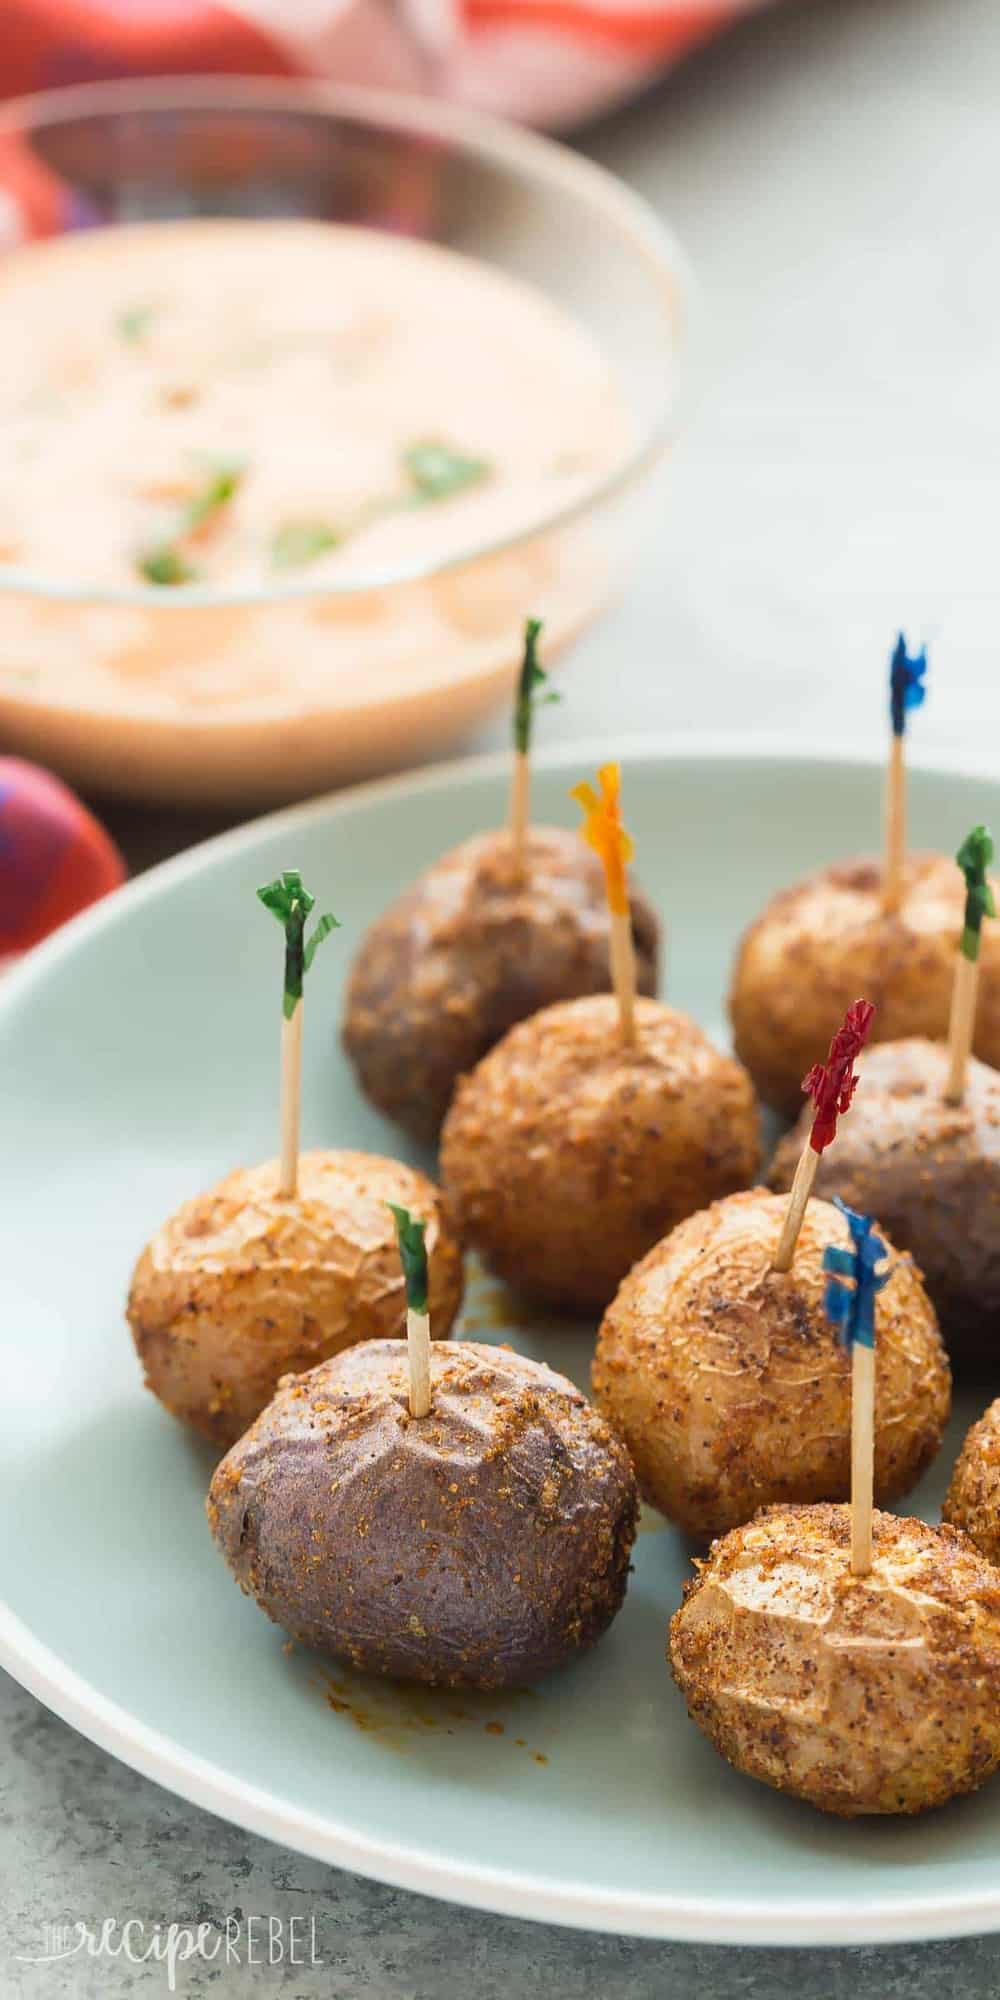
{"points": [[831, 1085]]}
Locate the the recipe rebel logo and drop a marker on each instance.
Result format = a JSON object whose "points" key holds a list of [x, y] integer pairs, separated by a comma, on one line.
{"points": [[235, 1940]]}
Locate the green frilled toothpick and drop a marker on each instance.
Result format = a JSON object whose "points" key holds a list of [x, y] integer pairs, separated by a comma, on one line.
{"points": [[289, 900], [533, 691], [973, 857], [410, 1235]]}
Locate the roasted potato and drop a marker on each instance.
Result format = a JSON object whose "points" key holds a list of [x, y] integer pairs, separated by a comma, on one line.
{"points": [[481, 1546], [726, 1381], [930, 1171], [471, 948], [860, 1694], [240, 1285], [566, 1154], [972, 1501], [818, 945]]}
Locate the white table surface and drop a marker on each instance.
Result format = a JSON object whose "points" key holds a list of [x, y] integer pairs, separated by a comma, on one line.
{"points": [[834, 171]]}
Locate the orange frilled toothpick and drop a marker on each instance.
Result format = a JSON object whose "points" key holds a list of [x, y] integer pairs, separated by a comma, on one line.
{"points": [[603, 830], [831, 1085]]}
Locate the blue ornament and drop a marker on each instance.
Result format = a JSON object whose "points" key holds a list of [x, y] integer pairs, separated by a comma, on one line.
{"points": [[851, 1305]]}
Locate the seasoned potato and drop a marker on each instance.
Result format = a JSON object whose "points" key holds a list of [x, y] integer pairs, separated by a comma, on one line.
{"points": [[480, 1546], [972, 1501], [471, 948], [931, 1172], [818, 945], [860, 1694], [566, 1154], [726, 1381], [240, 1285]]}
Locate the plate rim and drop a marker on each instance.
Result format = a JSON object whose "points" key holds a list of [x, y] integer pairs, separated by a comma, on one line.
{"points": [[188, 1775]]}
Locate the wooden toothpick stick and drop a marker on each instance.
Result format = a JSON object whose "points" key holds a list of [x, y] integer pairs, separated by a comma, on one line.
{"points": [[290, 902], [852, 1287], [831, 1085], [973, 857], [532, 692], [291, 1101], [798, 1201], [603, 830], [906, 690], [411, 1237]]}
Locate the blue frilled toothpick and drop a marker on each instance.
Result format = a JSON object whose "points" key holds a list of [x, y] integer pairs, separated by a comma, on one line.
{"points": [[907, 690], [853, 1284]]}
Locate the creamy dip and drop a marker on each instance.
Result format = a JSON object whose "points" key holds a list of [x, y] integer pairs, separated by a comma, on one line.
{"points": [[238, 403], [244, 405]]}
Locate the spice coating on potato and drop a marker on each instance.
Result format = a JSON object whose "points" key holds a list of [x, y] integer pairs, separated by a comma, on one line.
{"points": [[818, 945], [726, 1381], [566, 1154], [972, 1501], [240, 1285], [930, 1171], [868, 1694], [471, 948], [481, 1546]]}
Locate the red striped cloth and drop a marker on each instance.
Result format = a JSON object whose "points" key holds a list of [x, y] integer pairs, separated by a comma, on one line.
{"points": [[548, 62]]}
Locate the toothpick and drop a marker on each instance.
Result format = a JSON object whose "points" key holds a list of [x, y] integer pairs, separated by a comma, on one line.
{"points": [[895, 829], [831, 1085], [520, 790], [906, 691], [603, 830], [856, 1276], [532, 692], [291, 1102], [289, 901], [973, 857], [623, 973], [961, 1027], [801, 1189], [411, 1237], [862, 1456]]}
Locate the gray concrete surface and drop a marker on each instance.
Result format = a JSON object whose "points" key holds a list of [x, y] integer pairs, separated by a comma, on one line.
{"points": [[833, 169]]}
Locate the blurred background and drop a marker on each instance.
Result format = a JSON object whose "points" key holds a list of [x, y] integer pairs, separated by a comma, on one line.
{"points": [[830, 462]]}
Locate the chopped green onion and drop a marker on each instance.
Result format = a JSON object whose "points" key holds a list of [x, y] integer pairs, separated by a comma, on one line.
{"points": [[221, 485], [134, 323], [436, 472], [166, 562], [296, 543], [165, 565]]}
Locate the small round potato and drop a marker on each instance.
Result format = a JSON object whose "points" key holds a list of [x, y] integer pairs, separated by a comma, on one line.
{"points": [[931, 1173], [566, 1154], [726, 1381], [818, 945], [240, 1285], [481, 1546], [859, 1694], [972, 1501], [471, 948]]}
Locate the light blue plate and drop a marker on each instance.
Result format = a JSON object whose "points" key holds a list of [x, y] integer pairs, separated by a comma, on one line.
{"points": [[138, 1056]]}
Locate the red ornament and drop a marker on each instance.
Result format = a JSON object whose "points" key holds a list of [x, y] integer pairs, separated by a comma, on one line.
{"points": [[832, 1084], [55, 857]]}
